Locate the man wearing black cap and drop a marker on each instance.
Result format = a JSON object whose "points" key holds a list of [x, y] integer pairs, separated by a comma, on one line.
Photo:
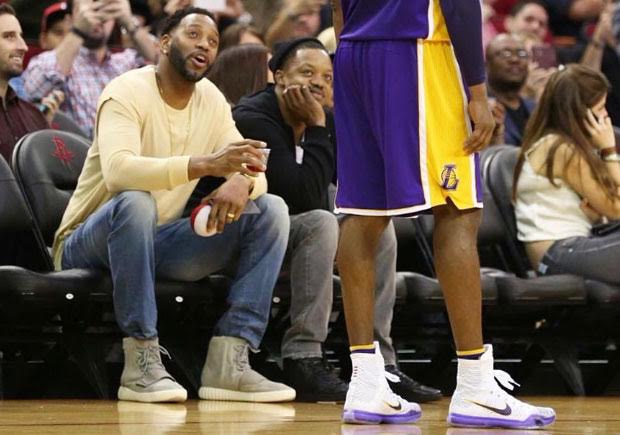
{"points": [[291, 117]]}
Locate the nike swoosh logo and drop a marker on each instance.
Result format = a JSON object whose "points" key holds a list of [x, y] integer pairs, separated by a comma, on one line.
{"points": [[505, 411], [395, 408]]}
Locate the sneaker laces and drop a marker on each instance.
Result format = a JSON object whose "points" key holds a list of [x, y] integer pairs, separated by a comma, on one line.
{"points": [[150, 355], [363, 375]]}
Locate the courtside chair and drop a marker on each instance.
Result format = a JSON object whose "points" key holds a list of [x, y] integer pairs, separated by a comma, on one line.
{"points": [[62, 121], [47, 165], [36, 305], [555, 290]]}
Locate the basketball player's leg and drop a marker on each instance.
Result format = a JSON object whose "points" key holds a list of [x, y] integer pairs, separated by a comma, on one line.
{"points": [[458, 270], [362, 195], [359, 238]]}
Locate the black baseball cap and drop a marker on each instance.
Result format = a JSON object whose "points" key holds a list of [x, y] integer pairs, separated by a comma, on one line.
{"points": [[283, 49]]}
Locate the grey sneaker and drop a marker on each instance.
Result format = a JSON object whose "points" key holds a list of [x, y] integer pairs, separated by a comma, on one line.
{"points": [[227, 375], [144, 377]]}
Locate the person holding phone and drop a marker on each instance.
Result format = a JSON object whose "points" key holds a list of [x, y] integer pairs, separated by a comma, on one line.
{"points": [[568, 178], [82, 63]]}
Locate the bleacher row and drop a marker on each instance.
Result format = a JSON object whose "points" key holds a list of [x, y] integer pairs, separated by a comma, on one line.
{"points": [[62, 316]]}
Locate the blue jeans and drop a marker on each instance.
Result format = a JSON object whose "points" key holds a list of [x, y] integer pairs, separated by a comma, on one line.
{"points": [[123, 236]]}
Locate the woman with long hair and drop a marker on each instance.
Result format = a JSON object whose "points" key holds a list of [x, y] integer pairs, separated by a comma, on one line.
{"points": [[240, 71], [567, 179]]}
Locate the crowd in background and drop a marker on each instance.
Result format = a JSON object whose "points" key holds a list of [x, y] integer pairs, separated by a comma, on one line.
{"points": [[84, 44]]}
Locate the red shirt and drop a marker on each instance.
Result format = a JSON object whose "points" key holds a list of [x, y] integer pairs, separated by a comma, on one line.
{"points": [[18, 118]]}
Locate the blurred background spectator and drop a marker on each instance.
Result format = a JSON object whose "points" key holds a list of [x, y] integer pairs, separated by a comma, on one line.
{"points": [[239, 34], [507, 63], [241, 70], [296, 19]]}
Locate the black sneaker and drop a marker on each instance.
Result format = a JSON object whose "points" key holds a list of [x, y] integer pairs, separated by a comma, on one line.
{"points": [[315, 380], [411, 390]]}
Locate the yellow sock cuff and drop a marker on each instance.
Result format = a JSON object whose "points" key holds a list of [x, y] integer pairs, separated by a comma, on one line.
{"points": [[469, 352], [362, 347]]}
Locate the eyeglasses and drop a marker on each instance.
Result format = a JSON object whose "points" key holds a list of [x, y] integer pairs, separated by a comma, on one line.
{"points": [[507, 53]]}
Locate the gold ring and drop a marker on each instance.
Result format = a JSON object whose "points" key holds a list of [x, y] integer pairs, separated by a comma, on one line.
{"points": [[230, 215]]}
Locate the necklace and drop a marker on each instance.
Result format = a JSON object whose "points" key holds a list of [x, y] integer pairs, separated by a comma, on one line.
{"points": [[189, 120]]}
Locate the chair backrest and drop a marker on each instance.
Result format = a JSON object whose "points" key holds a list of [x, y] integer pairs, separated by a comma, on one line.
{"points": [[21, 245], [498, 177], [47, 164], [64, 122]]}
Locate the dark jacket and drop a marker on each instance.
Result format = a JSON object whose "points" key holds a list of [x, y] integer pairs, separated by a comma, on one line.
{"points": [[302, 186], [513, 132]]}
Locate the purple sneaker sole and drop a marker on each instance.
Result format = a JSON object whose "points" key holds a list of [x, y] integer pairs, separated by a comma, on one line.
{"points": [[532, 422], [362, 417]]}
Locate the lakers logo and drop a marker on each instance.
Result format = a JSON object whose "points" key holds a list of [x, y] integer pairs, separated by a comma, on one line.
{"points": [[448, 178]]}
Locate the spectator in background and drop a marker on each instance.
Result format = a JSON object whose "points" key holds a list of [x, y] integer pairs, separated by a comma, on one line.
{"points": [[82, 64], [489, 31], [328, 39], [239, 34], [507, 63], [297, 19], [240, 71], [568, 177], [602, 53], [291, 117], [528, 17], [55, 25], [19, 117], [567, 17], [529, 20]]}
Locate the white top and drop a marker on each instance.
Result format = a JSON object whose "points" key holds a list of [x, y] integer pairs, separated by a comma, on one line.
{"points": [[547, 212]]}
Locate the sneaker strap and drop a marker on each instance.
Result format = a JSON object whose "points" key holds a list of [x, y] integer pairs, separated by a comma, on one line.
{"points": [[505, 380]]}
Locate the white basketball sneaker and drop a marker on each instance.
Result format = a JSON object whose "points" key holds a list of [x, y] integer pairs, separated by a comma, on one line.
{"points": [[370, 399], [478, 400]]}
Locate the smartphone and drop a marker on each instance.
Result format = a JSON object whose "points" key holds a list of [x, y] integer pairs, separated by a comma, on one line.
{"points": [[211, 5], [545, 56]]}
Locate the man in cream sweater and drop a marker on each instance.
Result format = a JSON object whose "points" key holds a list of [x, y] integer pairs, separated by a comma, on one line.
{"points": [[158, 130]]}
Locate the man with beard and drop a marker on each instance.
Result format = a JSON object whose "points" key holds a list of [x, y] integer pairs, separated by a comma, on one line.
{"points": [[159, 129], [19, 117], [507, 62], [81, 65]]}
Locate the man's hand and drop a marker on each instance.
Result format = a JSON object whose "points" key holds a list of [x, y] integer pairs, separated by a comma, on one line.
{"points": [[86, 15], [481, 116], [302, 103], [227, 202], [236, 157], [499, 115], [119, 10], [52, 102], [537, 79]]}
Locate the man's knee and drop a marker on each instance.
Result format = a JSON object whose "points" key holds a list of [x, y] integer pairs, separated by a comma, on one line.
{"points": [[275, 210], [136, 207], [321, 224], [368, 227]]}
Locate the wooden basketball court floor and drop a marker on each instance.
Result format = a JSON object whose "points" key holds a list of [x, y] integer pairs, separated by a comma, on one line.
{"points": [[597, 415]]}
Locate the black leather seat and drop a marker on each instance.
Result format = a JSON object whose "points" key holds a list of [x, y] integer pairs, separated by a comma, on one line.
{"points": [[47, 164], [64, 122], [24, 290]]}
